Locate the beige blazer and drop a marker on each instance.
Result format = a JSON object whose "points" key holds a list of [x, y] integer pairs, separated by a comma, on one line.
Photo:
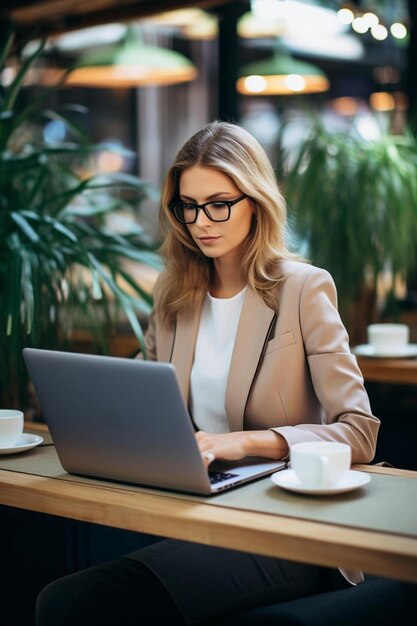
{"points": [[292, 372]]}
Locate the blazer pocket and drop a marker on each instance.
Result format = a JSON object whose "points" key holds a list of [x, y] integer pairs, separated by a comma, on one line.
{"points": [[285, 339]]}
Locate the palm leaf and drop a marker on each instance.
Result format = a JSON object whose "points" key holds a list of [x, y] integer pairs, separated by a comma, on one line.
{"points": [[6, 43], [13, 90]]}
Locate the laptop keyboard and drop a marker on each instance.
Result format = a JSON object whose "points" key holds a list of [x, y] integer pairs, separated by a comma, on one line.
{"points": [[217, 477]]}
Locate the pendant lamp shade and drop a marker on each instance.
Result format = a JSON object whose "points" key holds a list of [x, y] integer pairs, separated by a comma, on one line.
{"points": [[281, 75], [131, 64]]}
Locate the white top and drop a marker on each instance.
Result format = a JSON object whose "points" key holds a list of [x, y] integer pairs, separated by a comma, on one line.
{"points": [[213, 353]]}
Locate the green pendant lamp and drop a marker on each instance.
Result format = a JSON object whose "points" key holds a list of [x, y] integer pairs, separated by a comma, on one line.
{"points": [[281, 75], [131, 64]]}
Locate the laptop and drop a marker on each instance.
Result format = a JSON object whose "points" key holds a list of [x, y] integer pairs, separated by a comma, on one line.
{"points": [[125, 420]]}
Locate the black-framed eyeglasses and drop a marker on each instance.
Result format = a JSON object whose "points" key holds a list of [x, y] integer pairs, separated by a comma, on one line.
{"points": [[216, 211]]}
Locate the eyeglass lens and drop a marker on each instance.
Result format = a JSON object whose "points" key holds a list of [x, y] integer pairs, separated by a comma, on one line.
{"points": [[215, 211], [218, 211]]}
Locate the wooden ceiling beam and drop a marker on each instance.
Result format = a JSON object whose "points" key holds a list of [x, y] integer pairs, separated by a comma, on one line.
{"points": [[43, 18]]}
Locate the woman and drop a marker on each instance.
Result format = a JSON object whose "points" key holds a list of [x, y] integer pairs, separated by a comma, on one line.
{"points": [[264, 362]]}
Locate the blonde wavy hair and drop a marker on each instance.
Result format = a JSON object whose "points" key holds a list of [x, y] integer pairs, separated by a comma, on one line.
{"points": [[230, 149]]}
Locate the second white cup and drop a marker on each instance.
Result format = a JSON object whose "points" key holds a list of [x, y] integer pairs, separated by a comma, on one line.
{"points": [[392, 338], [11, 427], [319, 464]]}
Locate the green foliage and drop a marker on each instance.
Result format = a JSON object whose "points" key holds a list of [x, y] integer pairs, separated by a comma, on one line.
{"points": [[58, 260], [355, 206]]}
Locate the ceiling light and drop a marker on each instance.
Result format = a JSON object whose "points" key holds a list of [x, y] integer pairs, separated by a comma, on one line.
{"points": [[281, 74], [131, 64], [295, 82], [255, 84]]}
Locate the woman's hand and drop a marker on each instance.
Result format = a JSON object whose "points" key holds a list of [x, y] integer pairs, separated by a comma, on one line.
{"points": [[227, 446], [236, 445]]}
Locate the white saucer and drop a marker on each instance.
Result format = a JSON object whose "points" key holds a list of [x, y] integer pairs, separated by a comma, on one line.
{"points": [[25, 442], [366, 349], [352, 480]]}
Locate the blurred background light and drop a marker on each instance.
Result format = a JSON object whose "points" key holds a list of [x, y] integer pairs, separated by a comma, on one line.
{"points": [[359, 25], [379, 32], [295, 82], [398, 30], [255, 84], [346, 106], [382, 101], [345, 16], [370, 19], [54, 131], [90, 37]]}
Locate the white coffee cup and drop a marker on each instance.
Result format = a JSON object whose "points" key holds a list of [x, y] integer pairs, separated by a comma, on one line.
{"points": [[388, 338], [319, 464], [11, 427]]}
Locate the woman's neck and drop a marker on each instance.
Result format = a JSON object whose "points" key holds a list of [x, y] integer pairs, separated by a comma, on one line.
{"points": [[227, 280]]}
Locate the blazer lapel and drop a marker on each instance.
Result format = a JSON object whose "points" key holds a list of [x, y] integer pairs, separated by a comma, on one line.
{"points": [[255, 321], [184, 346]]}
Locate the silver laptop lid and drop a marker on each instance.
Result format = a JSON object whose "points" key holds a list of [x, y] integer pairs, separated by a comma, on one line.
{"points": [[119, 419]]}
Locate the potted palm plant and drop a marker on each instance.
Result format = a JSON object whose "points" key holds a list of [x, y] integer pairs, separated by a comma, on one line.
{"points": [[58, 259], [354, 206]]}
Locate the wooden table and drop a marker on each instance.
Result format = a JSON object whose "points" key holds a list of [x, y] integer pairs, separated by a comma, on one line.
{"points": [[381, 553], [392, 371]]}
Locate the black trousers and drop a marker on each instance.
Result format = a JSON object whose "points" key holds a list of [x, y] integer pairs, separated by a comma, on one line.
{"points": [[121, 592], [176, 583]]}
